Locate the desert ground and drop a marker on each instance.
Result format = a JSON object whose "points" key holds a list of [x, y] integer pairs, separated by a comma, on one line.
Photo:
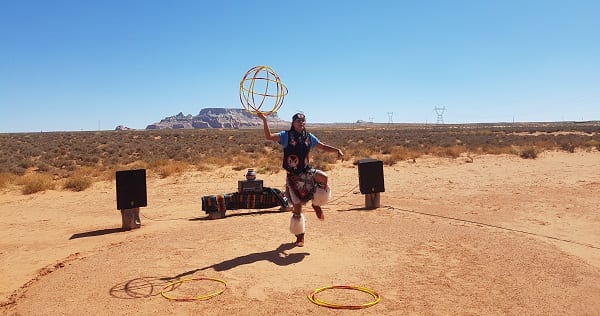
{"points": [[498, 235]]}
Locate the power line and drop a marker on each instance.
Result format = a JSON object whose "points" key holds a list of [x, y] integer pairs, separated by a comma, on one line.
{"points": [[440, 114]]}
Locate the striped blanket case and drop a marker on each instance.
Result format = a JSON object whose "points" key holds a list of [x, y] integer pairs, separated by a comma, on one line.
{"points": [[268, 198]]}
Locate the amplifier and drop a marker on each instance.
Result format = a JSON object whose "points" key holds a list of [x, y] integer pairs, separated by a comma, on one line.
{"points": [[246, 186]]}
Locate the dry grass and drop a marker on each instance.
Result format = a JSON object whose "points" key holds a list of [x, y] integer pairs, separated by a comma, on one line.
{"points": [[166, 168], [399, 153], [78, 183], [529, 153], [82, 157], [6, 178], [35, 182]]}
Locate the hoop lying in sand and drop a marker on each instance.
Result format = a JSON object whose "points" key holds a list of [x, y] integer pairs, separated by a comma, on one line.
{"points": [[313, 297], [171, 286], [303, 182]]}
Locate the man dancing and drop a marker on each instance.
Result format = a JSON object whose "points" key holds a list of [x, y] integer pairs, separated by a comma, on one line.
{"points": [[303, 183]]}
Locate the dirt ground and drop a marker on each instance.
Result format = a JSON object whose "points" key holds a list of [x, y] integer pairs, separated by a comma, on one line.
{"points": [[499, 235]]}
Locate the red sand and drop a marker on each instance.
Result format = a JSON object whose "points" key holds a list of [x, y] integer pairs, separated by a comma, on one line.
{"points": [[501, 235]]}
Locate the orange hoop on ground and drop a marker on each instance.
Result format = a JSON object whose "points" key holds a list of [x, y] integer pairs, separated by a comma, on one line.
{"points": [[259, 84], [196, 298], [313, 297]]}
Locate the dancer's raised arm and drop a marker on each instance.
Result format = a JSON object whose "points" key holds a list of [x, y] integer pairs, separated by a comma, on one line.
{"points": [[268, 135]]}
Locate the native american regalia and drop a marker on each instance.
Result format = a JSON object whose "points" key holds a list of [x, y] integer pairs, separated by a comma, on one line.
{"points": [[300, 176]]}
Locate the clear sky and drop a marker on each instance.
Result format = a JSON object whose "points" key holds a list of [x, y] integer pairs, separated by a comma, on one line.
{"points": [[89, 65]]}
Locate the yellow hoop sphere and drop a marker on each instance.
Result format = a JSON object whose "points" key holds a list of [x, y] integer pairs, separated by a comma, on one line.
{"points": [[261, 88]]}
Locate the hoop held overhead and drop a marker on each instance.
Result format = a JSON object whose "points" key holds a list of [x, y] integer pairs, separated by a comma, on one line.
{"points": [[259, 84]]}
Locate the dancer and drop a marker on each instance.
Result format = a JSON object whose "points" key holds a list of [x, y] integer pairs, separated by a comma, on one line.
{"points": [[303, 183]]}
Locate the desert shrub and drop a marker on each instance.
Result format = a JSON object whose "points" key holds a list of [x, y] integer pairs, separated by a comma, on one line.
{"points": [[238, 167], [165, 168], [529, 153], [394, 154], [63, 154], [269, 168], [450, 151], [326, 157], [358, 153], [215, 160], [403, 153], [43, 167], [388, 160], [270, 163], [387, 150], [18, 170], [244, 161], [204, 167], [497, 150], [109, 172], [98, 172], [6, 178], [77, 183], [137, 165], [320, 164], [72, 167], [592, 143], [568, 147], [36, 182]]}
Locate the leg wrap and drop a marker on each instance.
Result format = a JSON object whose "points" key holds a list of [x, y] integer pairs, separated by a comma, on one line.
{"points": [[297, 224], [322, 195]]}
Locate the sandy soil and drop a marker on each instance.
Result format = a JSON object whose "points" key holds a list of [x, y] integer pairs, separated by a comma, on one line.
{"points": [[498, 236]]}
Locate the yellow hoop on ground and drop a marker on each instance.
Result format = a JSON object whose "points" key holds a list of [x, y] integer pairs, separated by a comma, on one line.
{"points": [[259, 84], [313, 297], [196, 298]]}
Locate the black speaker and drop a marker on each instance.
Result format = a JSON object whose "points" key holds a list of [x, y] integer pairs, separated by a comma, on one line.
{"points": [[131, 189], [370, 176]]}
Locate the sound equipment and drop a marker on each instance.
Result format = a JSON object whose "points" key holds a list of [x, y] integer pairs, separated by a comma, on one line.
{"points": [[250, 186], [370, 176], [131, 189]]}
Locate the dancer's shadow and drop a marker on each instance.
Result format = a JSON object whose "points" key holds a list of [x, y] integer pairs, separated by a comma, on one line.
{"points": [[278, 256], [98, 232]]}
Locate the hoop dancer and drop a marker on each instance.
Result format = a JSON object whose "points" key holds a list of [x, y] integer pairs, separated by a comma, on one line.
{"points": [[303, 183]]}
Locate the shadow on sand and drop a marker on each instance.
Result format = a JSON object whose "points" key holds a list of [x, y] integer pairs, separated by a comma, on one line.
{"points": [[278, 256], [260, 212], [98, 232]]}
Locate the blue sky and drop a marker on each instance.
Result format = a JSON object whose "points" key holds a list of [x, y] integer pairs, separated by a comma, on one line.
{"points": [[89, 65]]}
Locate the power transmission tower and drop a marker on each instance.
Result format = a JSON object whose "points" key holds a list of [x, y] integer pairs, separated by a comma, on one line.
{"points": [[371, 119], [440, 114], [390, 115]]}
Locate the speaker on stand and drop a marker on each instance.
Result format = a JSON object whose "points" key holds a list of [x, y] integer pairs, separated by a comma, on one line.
{"points": [[131, 195], [370, 180]]}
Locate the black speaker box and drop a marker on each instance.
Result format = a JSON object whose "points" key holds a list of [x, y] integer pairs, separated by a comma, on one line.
{"points": [[370, 176], [131, 189]]}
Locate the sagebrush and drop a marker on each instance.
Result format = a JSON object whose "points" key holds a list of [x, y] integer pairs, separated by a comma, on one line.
{"points": [[99, 154]]}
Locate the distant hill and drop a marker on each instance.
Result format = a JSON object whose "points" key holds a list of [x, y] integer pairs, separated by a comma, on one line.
{"points": [[211, 118], [240, 118]]}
